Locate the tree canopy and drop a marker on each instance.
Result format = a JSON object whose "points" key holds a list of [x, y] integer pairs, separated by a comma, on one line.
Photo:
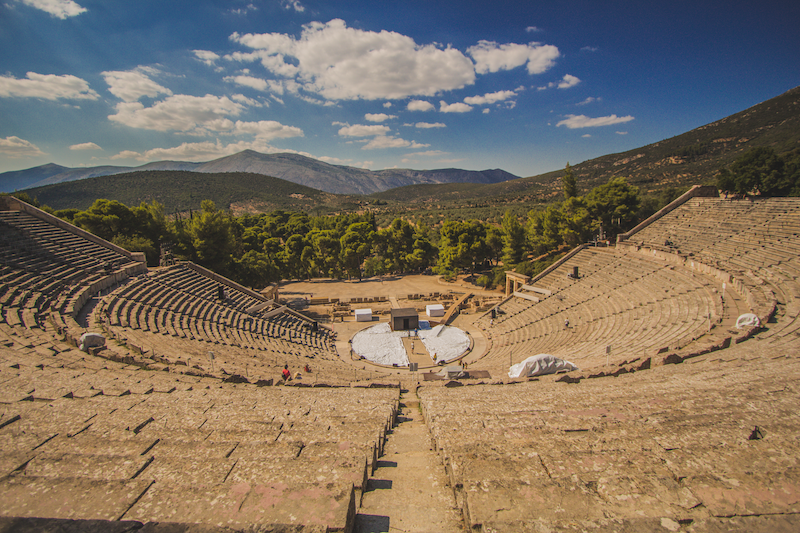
{"points": [[763, 172]]}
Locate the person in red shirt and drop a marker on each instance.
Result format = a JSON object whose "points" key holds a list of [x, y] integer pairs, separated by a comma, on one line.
{"points": [[287, 375]]}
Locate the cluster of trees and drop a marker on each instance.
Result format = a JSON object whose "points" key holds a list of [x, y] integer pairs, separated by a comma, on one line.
{"points": [[764, 172], [258, 249]]}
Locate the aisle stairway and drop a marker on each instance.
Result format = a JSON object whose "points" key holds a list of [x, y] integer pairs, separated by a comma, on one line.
{"points": [[409, 491]]}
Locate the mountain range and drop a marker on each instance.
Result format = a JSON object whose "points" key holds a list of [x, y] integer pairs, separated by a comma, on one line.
{"points": [[302, 170], [240, 181]]}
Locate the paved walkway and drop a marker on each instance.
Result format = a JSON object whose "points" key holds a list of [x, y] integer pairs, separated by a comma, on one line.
{"points": [[409, 491]]}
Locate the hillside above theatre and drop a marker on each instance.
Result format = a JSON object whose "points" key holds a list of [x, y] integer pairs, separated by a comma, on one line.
{"points": [[299, 169], [181, 191], [691, 158]]}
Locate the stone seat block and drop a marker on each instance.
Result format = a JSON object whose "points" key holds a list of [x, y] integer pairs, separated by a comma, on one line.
{"points": [[190, 470], [88, 499], [63, 465], [240, 505], [511, 500]]}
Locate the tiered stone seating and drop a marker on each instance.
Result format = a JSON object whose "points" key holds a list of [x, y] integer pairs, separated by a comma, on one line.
{"points": [[628, 301], [754, 241], [174, 317], [121, 443], [671, 448]]}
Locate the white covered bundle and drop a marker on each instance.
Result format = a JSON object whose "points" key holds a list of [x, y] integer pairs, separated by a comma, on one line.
{"points": [[539, 365]]}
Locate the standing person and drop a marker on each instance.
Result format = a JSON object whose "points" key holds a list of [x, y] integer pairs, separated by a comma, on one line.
{"points": [[287, 375]]}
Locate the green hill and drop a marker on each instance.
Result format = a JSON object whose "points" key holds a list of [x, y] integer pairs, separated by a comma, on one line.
{"points": [[681, 161], [184, 190]]}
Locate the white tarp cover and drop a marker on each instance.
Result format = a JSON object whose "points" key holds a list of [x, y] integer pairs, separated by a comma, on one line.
{"points": [[747, 319], [434, 310], [451, 372], [363, 315], [443, 343], [381, 345], [89, 340], [539, 365]]}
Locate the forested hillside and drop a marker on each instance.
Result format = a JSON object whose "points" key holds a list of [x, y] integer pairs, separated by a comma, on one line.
{"points": [[183, 191]]}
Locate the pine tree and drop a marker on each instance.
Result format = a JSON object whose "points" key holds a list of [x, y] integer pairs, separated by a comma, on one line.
{"points": [[568, 184]]}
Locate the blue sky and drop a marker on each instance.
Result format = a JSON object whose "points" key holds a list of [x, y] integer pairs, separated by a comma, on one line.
{"points": [[522, 86]]}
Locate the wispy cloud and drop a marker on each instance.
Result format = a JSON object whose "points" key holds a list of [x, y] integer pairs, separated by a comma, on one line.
{"points": [[429, 125], [361, 130], [492, 57], [457, 107], [85, 146], [46, 86], [378, 117], [385, 141], [489, 98], [293, 4], [420, 105], [58, 8], [589, 49], [565, 83], [206, 56], [15, 148], [589, 100], [130, 86], [582, 121]]}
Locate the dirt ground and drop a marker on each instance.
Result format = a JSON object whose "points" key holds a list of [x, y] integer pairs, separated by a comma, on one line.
{"points": [[388, 286], [392, 288]]}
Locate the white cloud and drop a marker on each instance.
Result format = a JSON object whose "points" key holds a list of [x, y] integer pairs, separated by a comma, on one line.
{"points": [[131, 85], [568, 81], [207, 57], [621, 132], [334, 160], [244, 10], [14, 147], [127, 154], [266, 130], [202, 151], [47, 86], [378, 117], [360, 130], [249, 81], [586, 135], [191, 114], [58, 8], [428, 153], [420, 105], [532, 29], [589, 100], [457, 107], [85, 146], [387, 105], [492, 57], [242, 99], [199, 116], [341, 63], [293, 4], [486, 111], [589, 49], [489, 98], [428, 125], [384, 141], [582, 121]]}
